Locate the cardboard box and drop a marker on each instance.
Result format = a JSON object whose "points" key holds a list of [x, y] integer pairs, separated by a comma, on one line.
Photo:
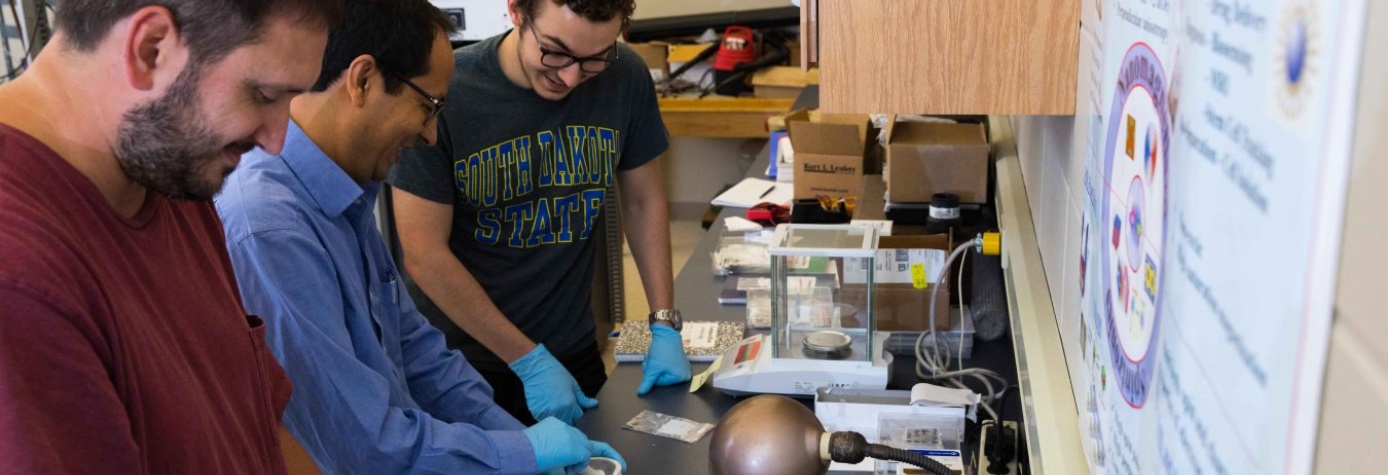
{"points": [[902, 307], [924, 159], [829, 153], [654, 55]]}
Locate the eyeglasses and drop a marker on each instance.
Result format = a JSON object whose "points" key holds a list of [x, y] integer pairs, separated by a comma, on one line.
{"points": [[560, 59], [436, 103]]}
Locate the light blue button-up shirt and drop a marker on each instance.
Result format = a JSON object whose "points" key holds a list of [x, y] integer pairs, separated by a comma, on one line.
{"points": [[376, 390]]}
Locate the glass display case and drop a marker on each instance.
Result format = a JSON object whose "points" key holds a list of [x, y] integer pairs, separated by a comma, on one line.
{"points": [[823, 319], [815, 314]]}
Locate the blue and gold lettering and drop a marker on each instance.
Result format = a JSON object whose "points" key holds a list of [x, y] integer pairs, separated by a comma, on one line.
{"points": [[602, 156], [488, 226], [501, 181], [506, 156], [472, 181], [516, 216], [524, 185], [581, 149], [592, 206], [460, 176], [541, 232], [563, 207], [547, 150], [487, 176], [588, 174], [563, 174]]}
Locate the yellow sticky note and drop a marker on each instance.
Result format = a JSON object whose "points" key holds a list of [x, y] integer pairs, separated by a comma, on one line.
{"points": [[698, 380], [918, 275]]}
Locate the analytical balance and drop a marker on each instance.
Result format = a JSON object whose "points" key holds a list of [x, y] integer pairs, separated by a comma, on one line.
{"points": [[822, 335]]}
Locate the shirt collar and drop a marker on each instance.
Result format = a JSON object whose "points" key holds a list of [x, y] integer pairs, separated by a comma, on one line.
{"points": [[329, 186]]}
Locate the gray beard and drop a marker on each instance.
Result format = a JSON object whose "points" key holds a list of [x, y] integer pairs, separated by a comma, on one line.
{"points": [[166, 144]]}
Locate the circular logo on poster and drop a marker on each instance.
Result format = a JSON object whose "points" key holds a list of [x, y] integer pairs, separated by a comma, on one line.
{"points": [[1133, 210], [1296, 50]]}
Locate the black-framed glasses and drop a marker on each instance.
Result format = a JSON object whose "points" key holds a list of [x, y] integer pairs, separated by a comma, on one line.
{"points": [[433, 101], [560, 59]]}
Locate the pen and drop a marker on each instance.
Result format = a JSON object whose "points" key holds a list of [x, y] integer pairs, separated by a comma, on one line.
{"points": [[767, 192]]}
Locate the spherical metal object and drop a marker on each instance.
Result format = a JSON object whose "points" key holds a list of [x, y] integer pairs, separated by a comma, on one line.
{"points": [[767, 435]]}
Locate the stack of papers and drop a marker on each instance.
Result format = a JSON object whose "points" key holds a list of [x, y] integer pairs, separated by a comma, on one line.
{"points": [[753, 191]]}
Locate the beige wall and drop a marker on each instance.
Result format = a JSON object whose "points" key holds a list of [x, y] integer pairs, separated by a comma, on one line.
{"points": [[697, 168], [1354, 412]]}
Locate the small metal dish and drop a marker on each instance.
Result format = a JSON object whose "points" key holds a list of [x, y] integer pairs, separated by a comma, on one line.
{"points": [[827, 344]]}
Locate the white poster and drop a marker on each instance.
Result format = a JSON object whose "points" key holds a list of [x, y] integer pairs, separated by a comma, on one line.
{"points": [[1215, 184]]}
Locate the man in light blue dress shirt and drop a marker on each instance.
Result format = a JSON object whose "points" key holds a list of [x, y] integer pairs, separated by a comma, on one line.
{"points": [[376, 390]]}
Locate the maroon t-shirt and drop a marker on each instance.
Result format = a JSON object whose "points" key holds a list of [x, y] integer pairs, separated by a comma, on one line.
{"points": [[124, 348]]}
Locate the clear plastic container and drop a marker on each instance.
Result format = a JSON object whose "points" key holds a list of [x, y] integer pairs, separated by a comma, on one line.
{"points": [[939, 437], [739, 253]]}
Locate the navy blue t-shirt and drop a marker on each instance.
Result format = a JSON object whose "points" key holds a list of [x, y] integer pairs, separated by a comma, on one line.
{"points": [[528, 179]]}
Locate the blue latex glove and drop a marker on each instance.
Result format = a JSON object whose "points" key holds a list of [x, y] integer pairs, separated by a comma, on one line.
{"points": [[665, 363], [550, 391], [559, 445]]}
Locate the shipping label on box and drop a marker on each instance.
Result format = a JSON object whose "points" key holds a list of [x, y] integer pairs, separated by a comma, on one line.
{"points": [[830, 150], [894, 266], [904, 306], [827, 175]]}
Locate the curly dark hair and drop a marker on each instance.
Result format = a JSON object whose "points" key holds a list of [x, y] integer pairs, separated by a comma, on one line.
{"points": [[591, 10]]}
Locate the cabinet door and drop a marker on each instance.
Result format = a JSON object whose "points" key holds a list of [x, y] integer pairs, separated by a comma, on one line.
{"points": [[948, 56]]}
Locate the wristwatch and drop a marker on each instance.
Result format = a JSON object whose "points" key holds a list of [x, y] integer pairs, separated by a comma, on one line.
{"points": [[670, 316]]}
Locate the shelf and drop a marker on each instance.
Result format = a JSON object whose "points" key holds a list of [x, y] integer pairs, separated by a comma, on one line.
{"points": [[721, 117], [1048, 402]]}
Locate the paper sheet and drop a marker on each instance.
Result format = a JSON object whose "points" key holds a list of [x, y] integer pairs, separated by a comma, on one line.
{"points": [[752, 191]]}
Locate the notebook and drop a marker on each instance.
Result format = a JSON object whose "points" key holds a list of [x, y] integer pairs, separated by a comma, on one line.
{"points": [[703, 341], [753, 191]]}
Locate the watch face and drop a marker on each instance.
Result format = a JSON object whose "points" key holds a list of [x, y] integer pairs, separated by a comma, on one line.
{"points": [[671, 316]]}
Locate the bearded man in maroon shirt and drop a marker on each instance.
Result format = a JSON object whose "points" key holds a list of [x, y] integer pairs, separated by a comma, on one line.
{"points": [[123, 344]]}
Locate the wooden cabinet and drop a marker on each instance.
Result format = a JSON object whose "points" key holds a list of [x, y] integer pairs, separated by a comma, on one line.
{"points": [[944, 56]]}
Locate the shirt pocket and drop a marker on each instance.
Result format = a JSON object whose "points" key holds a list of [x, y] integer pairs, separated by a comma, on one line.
{"points": [[390, 287], [384, 303], [272, 389], [274, 382]]}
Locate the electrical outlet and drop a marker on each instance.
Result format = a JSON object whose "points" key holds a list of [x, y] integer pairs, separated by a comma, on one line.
{"points": [[988, 438]]}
